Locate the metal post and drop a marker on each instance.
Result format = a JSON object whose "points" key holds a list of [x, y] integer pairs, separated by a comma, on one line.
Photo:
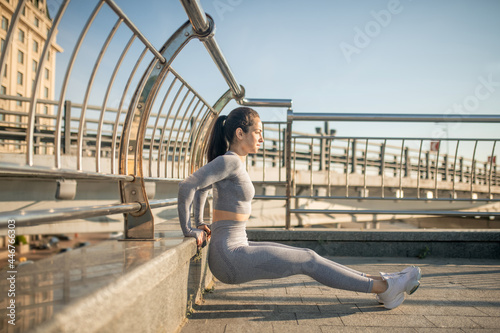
{"points": [[491, 168], [418, 167], [37, 82], [407, 162], [436, 172], [382, 168], [288, 164], [445, 164], [311, 155], [354, 161], [461, 162], [274, 150], [321, 149], [455, 170], [382, 159], [10, 34], [427, 165]]}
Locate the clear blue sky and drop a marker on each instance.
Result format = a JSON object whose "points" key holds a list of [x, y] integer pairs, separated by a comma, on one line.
{"points": [[407, 56]]}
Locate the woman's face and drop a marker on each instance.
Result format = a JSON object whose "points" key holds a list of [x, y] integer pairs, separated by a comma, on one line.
{"points": [[251, 141]]}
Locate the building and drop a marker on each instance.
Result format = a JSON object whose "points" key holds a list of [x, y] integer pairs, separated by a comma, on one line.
{"points": [[18, 74]]}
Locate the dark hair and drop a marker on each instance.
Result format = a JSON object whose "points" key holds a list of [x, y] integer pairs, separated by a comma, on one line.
{"points": [[225, 127]]}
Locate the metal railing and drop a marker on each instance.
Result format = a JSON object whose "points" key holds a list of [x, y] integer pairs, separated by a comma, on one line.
{"points": [[155, 131], [400, 158], [204, 26], [342, 170]]}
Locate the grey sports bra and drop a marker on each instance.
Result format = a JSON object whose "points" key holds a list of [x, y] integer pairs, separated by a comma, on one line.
{"points": [[233, 190]]}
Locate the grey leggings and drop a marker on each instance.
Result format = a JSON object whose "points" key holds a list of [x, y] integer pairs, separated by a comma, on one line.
{"points": [[233, 259]]}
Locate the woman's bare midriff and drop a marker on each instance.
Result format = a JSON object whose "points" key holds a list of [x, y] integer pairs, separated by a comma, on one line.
{"points": [[222, 215]]}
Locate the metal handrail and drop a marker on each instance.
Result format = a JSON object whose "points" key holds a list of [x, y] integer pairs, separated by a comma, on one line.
{"points": [[205, 28], [36, 171], [34, 217], [394, 117], [395, 212]]}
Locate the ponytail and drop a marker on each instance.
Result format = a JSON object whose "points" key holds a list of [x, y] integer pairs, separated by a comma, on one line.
{"points": [[225, 127], [217, 144]]}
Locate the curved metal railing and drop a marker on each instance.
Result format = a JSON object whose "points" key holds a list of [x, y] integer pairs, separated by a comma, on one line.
{"points": [[136, 121]]}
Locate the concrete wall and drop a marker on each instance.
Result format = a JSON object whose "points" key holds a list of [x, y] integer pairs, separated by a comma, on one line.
{"points": [[435, 243], [114, 286]]}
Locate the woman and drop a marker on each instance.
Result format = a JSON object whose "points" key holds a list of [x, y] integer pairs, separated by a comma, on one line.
{"points": [[232, 258]]}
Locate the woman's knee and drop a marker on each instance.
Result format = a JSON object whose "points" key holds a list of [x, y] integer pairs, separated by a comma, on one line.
{"points": [[309, 260]]}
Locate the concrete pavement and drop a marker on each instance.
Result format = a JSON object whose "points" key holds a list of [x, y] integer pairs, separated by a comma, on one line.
{"points": [[456, 295]]}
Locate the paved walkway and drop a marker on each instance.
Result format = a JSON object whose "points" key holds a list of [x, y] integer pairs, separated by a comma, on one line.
{"points": [[456, 295]]}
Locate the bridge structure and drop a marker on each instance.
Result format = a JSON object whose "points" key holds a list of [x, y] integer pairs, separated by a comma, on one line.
{"points": [[69, 166], [369, 179]]}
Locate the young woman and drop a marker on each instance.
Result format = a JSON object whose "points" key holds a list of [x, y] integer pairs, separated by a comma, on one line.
{"points": [[232, 258]]}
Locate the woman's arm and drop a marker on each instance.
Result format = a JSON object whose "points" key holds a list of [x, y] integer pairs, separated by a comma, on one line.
{"points": [[220, 168], [200, 198]]}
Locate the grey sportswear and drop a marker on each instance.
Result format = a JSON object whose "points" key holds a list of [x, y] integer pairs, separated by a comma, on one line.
{"points": [[232, 258]]}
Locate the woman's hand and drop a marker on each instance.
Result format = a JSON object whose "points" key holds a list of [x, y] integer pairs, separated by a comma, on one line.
{"points": [[206, 229], [204, 236]]}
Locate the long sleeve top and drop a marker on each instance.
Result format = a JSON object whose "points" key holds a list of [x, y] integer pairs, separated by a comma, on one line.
{"points": [[232, 186]]}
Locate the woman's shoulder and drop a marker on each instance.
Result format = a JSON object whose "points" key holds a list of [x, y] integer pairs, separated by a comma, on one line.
{"points": [[229, 161]]}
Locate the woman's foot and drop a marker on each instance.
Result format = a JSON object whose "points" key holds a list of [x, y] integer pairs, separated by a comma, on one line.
{"points": [[384, 276], [398, 284]]}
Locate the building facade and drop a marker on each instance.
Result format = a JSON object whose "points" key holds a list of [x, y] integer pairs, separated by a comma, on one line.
{"points": [[20, 66]]}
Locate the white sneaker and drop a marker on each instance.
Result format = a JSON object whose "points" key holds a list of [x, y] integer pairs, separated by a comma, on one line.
{"points": [[398, 285], [404, 271], [412, 269]]}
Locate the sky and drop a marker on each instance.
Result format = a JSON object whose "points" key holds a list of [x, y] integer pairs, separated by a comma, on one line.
{"points": [[334, 56]]}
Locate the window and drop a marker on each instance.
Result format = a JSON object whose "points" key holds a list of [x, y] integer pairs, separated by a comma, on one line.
{"points": [[19, 103], [3, 45], [20, 57], [46, 92], [5, 23], [21, 36], [46, 109], [5, 70], [35, 46], [19, 78], [47, 73], [36, 22], [35, 65]]}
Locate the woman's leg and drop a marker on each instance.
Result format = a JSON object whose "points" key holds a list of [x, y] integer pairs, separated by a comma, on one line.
{"points": [[268, 261], [332, 262]]}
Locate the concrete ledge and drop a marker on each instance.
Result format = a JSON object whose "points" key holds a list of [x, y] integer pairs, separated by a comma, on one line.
{"points": [[414, 243], [115, 286]]}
